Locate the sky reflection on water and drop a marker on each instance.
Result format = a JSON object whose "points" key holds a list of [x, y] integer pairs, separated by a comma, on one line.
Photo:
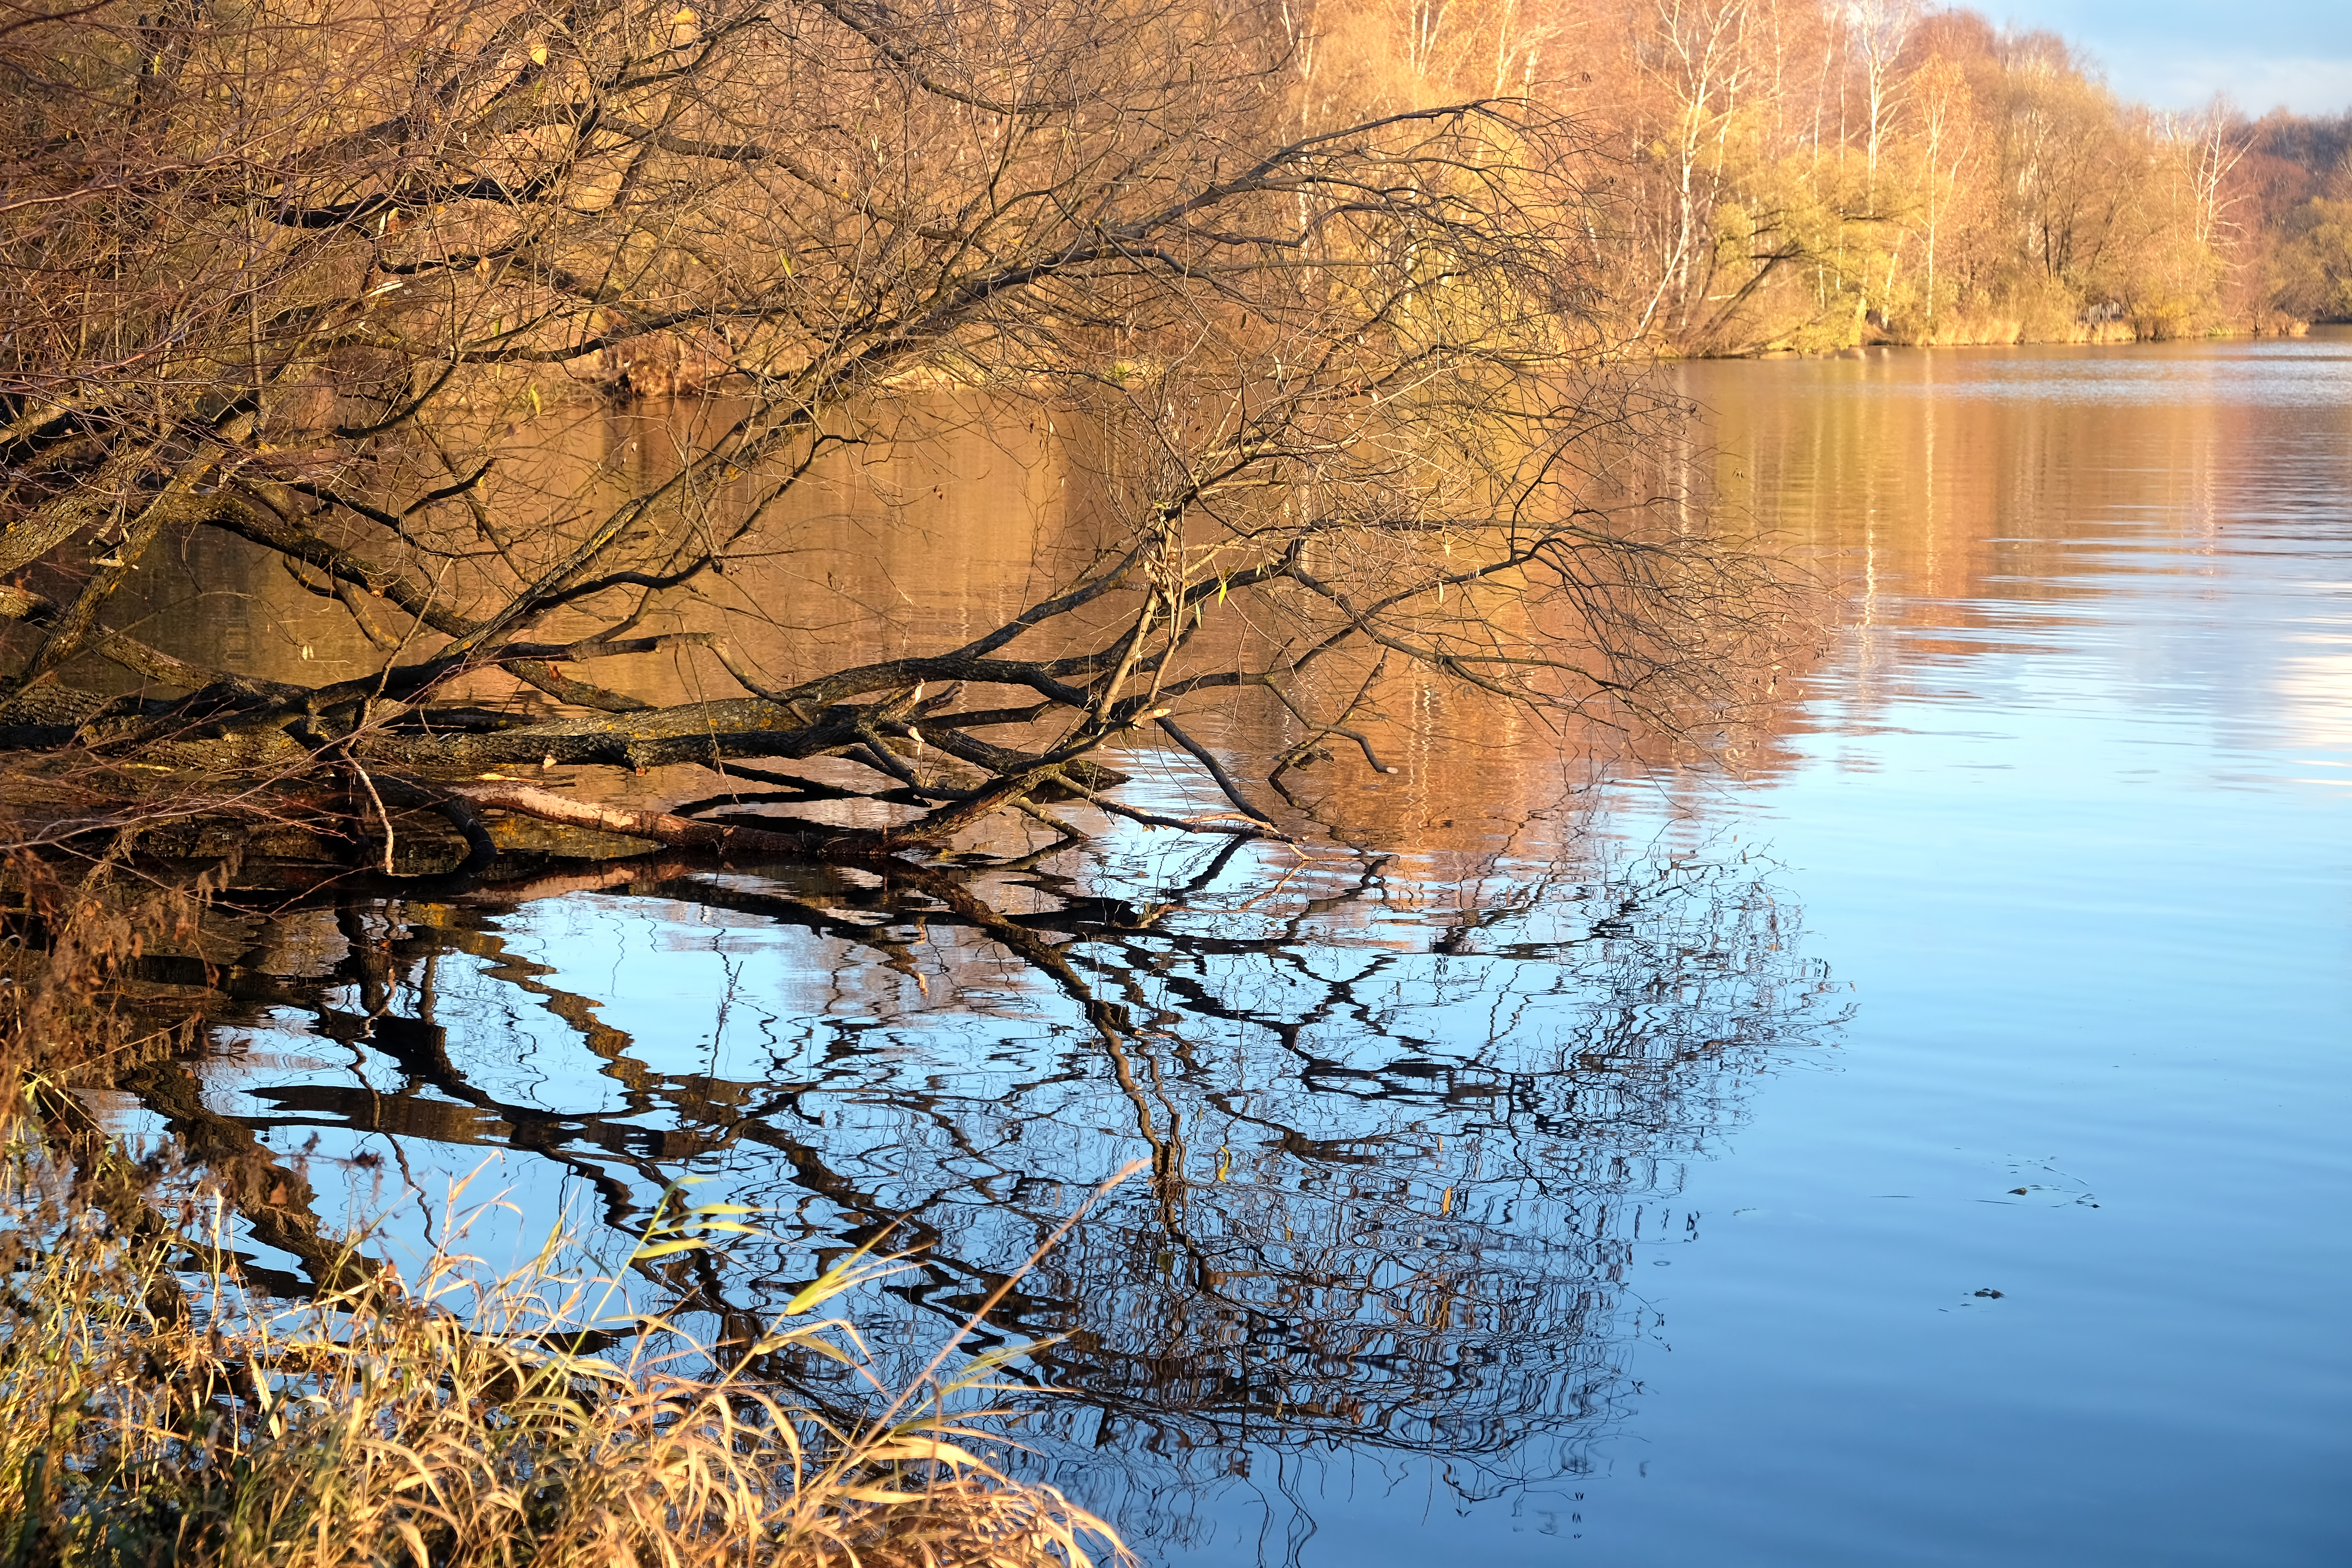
{"points": [[1926, 1149], [2069, 813]]}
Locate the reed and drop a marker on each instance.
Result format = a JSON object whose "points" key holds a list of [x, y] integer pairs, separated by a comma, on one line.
{"points": [[158, 1407]]}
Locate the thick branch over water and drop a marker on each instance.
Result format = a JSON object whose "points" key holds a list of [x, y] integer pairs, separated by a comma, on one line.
{"points": [[1337, 410]]}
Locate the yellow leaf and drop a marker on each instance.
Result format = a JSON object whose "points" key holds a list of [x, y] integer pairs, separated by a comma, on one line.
{"points": [[590, 1366], [806, 1339], [845, 1274], [907, 1449]]}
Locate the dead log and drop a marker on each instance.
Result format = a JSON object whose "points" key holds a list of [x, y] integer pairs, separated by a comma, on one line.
{"points": [[661, 828]]}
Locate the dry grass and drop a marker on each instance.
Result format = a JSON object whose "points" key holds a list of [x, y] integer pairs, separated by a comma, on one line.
{"points": [[156, 1408], [159, 1406]]}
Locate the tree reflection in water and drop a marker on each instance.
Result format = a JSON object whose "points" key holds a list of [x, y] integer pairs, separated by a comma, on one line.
{"points": [[1404, 1129]]}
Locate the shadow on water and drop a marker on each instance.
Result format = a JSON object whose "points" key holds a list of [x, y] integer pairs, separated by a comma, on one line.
{"points": [[1406, 1123]]}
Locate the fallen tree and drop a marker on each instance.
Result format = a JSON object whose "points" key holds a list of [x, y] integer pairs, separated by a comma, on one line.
{"points": [[307, 278]]}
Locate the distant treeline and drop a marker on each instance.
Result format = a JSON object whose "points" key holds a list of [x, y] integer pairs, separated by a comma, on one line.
{"points": [[1813, 174]]}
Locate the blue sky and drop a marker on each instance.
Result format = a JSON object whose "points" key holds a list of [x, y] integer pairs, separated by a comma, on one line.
{"points": [[2176, 54]]}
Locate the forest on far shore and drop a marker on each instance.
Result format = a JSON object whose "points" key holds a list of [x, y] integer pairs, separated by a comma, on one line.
{"points": [[1813, 175]]}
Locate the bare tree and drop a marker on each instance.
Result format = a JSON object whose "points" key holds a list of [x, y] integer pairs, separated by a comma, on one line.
{"points": [[1880, 28], [1697, 53], [302, 276], [2210, 144]]}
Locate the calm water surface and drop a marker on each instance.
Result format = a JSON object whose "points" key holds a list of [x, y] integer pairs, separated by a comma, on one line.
{"points": [[1929, 1146]]}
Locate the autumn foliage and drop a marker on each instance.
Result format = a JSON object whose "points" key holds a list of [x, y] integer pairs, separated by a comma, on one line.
{"points": [[1797, 174]]}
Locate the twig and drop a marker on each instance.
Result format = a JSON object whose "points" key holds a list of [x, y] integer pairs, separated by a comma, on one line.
{"points": [[1217, 770], [369, 785]]}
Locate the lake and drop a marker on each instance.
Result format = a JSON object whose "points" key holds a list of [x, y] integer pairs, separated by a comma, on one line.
{"points": [[1921, 1139]]}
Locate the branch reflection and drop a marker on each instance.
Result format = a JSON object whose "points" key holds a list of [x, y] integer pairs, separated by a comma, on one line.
{"points": [[1407, 1124]]}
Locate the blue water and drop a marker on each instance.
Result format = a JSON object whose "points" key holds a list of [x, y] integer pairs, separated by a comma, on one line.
{"points": [[2081, 841], [1653, 1198]]}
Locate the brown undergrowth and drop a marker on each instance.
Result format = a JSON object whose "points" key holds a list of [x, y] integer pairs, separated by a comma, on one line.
{"points": [[158, 1405]]}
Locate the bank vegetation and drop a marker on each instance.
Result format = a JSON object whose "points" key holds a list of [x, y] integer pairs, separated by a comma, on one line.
{"points": [[1808, 177]]}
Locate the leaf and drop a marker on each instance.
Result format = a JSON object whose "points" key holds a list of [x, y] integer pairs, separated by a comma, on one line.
{"points": [[987, 1360], [592, 1366], [914, 1450], [844, 1274], [806, 1339], [665, 1248]]}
